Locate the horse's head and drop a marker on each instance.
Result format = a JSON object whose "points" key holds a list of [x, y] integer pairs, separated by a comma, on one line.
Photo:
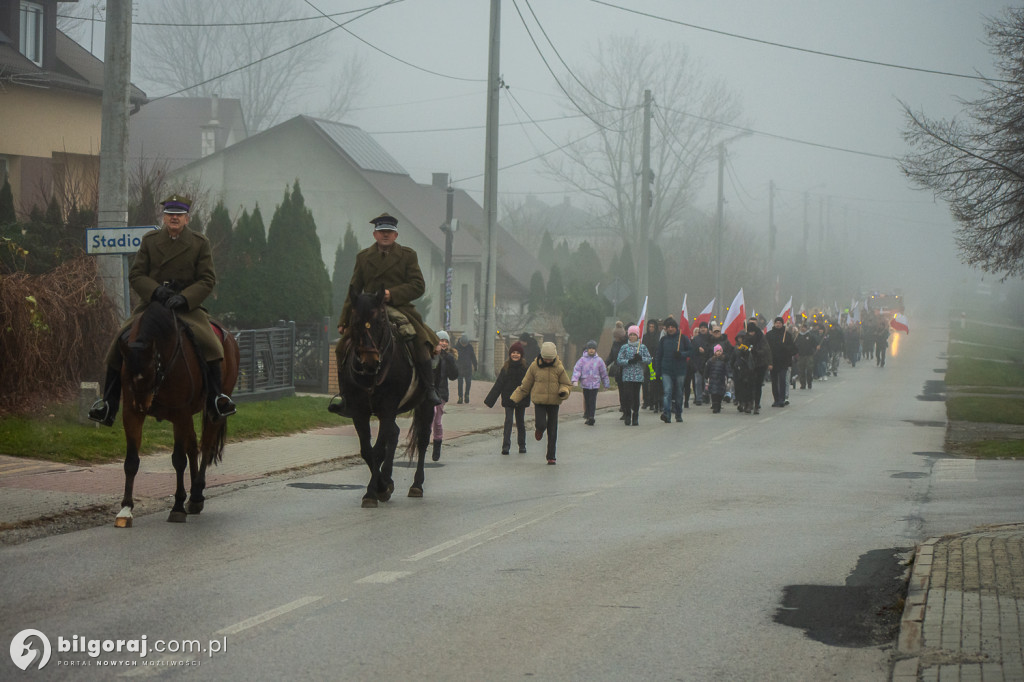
{"points": [[368, 328], [142, 354]]}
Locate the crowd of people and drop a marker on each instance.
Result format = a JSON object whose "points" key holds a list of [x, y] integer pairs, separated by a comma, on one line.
{"points": [[665, 371]]}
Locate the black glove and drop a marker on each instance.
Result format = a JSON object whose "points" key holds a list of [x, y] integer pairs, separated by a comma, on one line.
{"points": [[635, 359], [162, 293], [177, 303]]}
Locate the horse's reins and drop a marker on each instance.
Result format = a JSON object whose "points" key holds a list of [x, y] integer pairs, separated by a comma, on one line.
{"points": [[379, 373], [161, 368]]}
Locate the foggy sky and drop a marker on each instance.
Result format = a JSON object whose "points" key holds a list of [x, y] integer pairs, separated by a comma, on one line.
{"points": [[785, 93]]}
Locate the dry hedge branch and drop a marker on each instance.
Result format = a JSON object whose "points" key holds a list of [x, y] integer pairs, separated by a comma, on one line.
{"points": [[54, 332]]}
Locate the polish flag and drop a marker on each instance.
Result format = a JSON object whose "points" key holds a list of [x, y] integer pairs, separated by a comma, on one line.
{"points": [[684, 320], [705, 315], [735, 318], [899, 323], [787, 312], [643, 319]]}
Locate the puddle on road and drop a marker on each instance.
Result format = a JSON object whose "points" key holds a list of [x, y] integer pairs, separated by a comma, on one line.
{"points": [[864, 612]]}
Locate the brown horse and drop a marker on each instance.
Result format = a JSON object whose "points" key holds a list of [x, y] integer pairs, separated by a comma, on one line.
{"points": [[162, 375]]}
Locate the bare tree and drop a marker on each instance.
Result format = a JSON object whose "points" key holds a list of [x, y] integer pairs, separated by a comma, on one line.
{"points": [[209, 39], [977, 166], [691, 113]]}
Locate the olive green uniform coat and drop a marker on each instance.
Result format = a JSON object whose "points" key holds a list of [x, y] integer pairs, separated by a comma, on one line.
{"points": [[398, 271], [188, 262]]}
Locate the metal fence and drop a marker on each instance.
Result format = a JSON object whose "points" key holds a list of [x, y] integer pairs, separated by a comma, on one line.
{"points": [[278, 360]]}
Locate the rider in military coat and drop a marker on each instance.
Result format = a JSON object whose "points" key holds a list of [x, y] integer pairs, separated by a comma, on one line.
{"points": [[394, 268], [173, 266]]}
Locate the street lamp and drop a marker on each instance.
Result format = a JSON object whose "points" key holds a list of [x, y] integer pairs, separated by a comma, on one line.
{"points": [[720, 219]]}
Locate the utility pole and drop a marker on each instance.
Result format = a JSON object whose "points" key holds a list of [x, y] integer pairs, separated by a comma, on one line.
{"points": [[643, 278], [449, 232], [719, 228], [113, 189], [771, 226], [803, 257], [489, 328]]}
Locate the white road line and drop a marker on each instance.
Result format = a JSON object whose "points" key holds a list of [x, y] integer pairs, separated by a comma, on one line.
{"points": [[457, 541], [510, 530], [728, 433], [267, 615], [384, 577]]}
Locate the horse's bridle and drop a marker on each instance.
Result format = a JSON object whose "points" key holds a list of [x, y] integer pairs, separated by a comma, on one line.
{"points": [[161, 369], [365, 343]]}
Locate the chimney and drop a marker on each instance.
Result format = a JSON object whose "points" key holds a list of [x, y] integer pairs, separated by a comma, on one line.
{"points": [[210, 132], [439, 180]]}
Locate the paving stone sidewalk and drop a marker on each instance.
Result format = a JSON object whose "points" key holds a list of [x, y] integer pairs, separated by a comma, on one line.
{"points": [[964, 615]]}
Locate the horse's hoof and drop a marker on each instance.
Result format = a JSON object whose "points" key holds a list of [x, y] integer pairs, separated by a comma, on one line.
{"points": [[195, 507], [369, 503], [177, 517], [415, 492], [123, 518]]}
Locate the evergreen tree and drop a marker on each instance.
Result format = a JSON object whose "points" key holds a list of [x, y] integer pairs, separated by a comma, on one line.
{"points": [[344, 264], [537, 294], [546, 253], [584, 266], [562, 254], [219, 233], [7, 215], [299, 286], [584, 314], [556, 291], [240, 281]]}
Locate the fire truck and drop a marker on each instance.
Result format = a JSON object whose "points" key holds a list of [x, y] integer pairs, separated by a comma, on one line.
{"points": [[885, 304]]}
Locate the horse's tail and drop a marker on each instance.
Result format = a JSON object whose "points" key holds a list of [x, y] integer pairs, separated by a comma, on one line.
{"points": [[214, 451]]}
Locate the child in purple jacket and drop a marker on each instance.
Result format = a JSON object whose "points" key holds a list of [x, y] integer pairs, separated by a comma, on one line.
{"points": [[590, 372]]}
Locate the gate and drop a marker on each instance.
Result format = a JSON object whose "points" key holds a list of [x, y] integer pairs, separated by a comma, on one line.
{"points": [[312, 356]]}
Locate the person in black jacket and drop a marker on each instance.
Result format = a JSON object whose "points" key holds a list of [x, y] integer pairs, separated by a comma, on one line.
{"points": [[466, 361], [762, 356], [509, 378], [614, 370], [445, 370], [670, 366], [807, 344], [783, 348]]}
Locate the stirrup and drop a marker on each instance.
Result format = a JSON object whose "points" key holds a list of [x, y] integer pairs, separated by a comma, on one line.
{"points": [[339, 407], [229, 408], [100, 412]]}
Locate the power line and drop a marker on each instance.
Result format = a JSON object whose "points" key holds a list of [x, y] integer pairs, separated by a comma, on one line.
{"points": [[234, 24], [552, 71], [472, 127], [784, 46], [388, 54], [794, 140]]}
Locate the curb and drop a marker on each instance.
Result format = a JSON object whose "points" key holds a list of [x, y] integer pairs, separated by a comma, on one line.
{"points": [[910, 639]]}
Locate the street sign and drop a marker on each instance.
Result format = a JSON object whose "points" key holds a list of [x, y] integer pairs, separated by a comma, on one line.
{"points": [[115, 240], [616, 292]]}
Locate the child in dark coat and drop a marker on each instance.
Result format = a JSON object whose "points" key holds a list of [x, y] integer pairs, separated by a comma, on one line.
{"points": [[717, 373], [509, 378]]}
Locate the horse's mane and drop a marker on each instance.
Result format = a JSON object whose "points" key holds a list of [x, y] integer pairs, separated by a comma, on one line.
{"points": [[157, 322]]}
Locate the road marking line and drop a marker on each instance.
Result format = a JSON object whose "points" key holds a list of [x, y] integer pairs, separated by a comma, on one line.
{"points": [[384, 577], [728, 433], [462, 538], [267, 615], [510, 530]]}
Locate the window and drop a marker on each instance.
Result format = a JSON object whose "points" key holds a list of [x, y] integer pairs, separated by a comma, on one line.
{"points": [[31, 42]]}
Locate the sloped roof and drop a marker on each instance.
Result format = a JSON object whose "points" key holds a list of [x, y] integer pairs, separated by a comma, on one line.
{"points": [[169, 130], [75, 69], [364, 151]]}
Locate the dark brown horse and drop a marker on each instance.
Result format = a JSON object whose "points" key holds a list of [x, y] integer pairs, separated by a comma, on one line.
{"points": [[162, 375], [377, 379]]}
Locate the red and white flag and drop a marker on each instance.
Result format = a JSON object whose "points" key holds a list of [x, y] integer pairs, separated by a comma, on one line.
{"points": [[684, 320], [787, 312], [643, 319], [899, 323], [735, 318], [705, 315]]}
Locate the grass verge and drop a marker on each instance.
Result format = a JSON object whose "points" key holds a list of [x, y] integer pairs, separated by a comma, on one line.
{"points": [[995, 449], [986, 409], [57, 435], [963, 371]]}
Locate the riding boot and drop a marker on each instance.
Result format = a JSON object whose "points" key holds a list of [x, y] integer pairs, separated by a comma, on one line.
{"points": [[436, 454], [218, 405], [338, 405], [424, 372], [105, 409]]}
